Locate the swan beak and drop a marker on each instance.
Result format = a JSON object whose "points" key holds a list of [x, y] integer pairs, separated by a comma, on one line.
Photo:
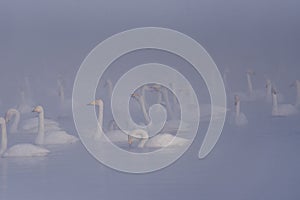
{"points": [[34, 110], [93, 103], [135, 95]]}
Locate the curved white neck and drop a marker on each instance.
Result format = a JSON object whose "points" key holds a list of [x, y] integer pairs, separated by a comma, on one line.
{"points": [[61, 93], [41, 130], [144, 110], [268, 89], [237, 108], [100, 118], [3, 139], [275, 103], [110, 88], [166, 97], [298, 93], [140, 134], [15, 124], [250, 87]]}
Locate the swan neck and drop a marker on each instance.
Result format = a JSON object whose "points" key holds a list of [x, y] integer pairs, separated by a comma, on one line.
{"points": [[15, 124], [41, 129], [61, 93], [298, 92], [110, 88], [140, 134], [237, 108], [3, 139], [166, 97], [275, 103], [250, 87], [144, 110], [100, 117]]}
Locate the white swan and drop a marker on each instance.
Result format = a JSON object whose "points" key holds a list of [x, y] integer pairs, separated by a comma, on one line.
{"points": [[297, 85], [113, 135], [282, 110], [238, 118], [65, 104], [158, 141], [51, 137], [28, 125], [26, 103], [170, 125], [269, 87], [252, 94], [19, 150]]}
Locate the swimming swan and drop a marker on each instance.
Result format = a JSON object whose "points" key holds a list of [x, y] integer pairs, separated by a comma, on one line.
{"points": [[19, 150], [51, 137]]}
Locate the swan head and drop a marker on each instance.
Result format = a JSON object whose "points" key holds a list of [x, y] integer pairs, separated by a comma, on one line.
{"points": [[269, 83], [274, 92], [38, 109], [97, 102], [9, 114], [107, 83], [155, 87], [250, 72], [135, 96]]}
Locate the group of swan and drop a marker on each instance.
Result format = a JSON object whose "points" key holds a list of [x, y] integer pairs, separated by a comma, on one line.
{"points": [[270, 94], [45, 136], [160, 140]]}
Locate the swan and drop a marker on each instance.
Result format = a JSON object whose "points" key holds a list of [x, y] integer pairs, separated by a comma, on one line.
{"points": [[26, 103], [65, 104], [158, 141], [28, 125], [19, 150], [253, 94], [113, 135], [170, 126], [297, 85], [51, 137], [282, 110], [269, 87], [239, 118]]}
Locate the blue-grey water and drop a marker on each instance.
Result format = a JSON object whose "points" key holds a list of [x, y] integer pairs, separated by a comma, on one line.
{"points": [[44, 41]]}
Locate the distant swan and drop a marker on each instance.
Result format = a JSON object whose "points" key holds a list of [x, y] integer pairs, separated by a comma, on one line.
{"points": [[297, 85], [51, 137], [28, 125], [170, 125], [282, 109], [238, 118], [253, 94], [19, 150], [113, 135], [158, 141]]}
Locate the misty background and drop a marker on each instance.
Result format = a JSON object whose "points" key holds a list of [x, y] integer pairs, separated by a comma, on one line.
{"points": [[47, 40]]}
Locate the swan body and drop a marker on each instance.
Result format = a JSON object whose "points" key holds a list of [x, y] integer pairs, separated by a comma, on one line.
{"points": [[239, 118], [19, 150], [282, 110], [158, 141], [51, 137]]}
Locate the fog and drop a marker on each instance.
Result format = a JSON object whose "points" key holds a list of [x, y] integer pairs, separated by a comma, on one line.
{"points": [[43, 42]]}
